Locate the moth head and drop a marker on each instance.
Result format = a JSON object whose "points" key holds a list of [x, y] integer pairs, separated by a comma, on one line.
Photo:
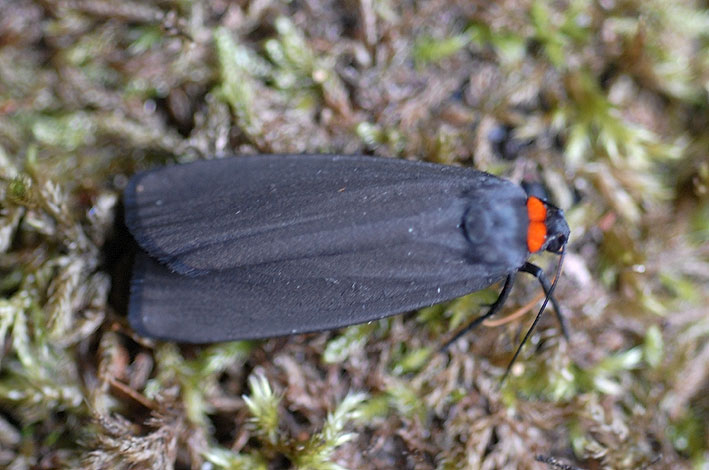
{"points": [[548, 229]]}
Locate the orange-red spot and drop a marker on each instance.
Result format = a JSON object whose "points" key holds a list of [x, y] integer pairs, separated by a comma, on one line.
{"points": [[536, 210], [537, 231], [536, 234]]}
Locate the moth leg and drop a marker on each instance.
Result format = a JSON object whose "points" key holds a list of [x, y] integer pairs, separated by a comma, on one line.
{"points": [[506, 289], [538, 272]]}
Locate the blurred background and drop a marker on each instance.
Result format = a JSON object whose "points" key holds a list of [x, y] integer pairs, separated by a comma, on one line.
{"points": [[605, 102]]}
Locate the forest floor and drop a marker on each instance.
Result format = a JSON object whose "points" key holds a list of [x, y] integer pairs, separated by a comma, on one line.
{"points": [[604, 102]]}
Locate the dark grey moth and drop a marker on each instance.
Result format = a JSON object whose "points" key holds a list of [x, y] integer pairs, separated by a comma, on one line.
{"points": [[270, 245]]}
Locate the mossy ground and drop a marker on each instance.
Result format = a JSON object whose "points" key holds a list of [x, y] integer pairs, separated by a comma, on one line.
{"points": [[604, 101]]}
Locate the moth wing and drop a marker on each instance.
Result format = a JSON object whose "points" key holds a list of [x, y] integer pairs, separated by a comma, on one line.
{"points": [[220, 214], [294, 296]]}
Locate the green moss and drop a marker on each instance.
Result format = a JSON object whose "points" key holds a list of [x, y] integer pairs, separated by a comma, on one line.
{"points": [[237, 87], [315, 453]]}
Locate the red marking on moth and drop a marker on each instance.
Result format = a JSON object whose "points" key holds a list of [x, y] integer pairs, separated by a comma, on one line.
{"points": [[537, 231]]}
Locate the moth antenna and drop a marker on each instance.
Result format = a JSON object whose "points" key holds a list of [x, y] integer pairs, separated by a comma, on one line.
{"points": [[538, 317], [538, 272]]}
